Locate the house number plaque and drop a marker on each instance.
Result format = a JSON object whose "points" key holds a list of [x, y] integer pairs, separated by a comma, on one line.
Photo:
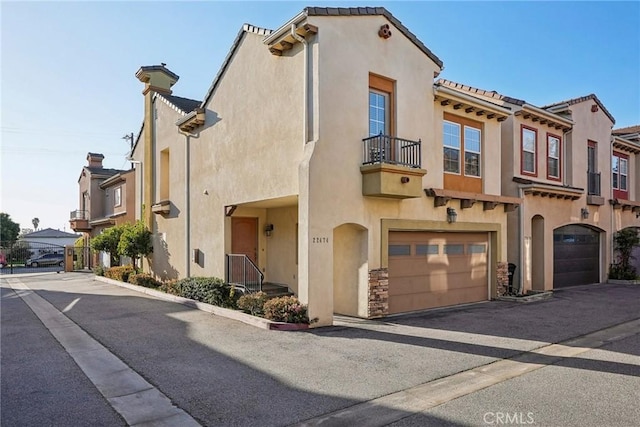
{"points": [[319, 240]]}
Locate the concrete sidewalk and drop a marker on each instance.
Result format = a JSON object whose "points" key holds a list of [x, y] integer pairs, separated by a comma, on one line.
{"points": [[223, 372]]}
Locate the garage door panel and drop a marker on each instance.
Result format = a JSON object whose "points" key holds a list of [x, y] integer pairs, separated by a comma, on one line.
{"points": [[421, 301], [440, 269], [576, 256]]}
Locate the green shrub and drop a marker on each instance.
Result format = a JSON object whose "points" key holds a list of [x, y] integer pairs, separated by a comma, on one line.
{"points": [[98, 271], [169, 287], [286, 309], [120, 273], [253, 303], [622, 272], [211, 290], [144, 279]]}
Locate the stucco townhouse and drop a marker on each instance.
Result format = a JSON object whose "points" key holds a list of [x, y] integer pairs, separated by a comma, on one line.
{"points": [[106, 197], [324, 158], [578, 181]]}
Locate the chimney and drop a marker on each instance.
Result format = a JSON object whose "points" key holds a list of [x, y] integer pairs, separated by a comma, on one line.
{"points": [[156, 79], [94, 160]]}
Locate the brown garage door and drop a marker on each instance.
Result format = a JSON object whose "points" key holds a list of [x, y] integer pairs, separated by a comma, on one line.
{"points": [[576, 256], [428, 270]]}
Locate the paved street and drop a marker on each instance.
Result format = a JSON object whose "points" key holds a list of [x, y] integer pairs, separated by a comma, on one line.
{"points": [[223, 372]]}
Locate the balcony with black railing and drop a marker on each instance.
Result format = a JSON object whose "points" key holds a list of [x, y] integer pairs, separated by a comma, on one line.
{"points": [[594, 197], [79, 220], [391, 167]]}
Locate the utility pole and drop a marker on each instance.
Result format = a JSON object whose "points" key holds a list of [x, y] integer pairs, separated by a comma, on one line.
{"points": [[129, 137]]}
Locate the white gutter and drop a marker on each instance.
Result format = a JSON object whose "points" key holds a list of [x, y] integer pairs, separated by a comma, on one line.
{"points": [[285, 28], [305, 96]]}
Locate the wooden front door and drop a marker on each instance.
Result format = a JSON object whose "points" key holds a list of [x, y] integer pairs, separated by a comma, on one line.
{"points": [[244, 237]]}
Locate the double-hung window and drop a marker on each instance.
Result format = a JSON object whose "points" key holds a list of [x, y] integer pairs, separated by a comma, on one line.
{"points": [[528, 151], [462, 151], [620, 171], [471, 151], [451, 136], [553, 157], [117, 196]]}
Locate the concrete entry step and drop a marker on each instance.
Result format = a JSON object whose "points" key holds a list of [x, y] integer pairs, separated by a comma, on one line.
{"points": [[274, 290]]}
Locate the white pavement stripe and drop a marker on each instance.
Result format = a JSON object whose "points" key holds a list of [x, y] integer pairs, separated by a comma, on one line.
{"points": [[396, 406], [137, 401]]}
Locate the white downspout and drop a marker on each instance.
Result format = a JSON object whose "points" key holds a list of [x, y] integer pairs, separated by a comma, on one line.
{"points": [[305, 108]]}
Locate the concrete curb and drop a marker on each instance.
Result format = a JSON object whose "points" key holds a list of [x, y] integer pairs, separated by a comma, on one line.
{"points": [[257, 322], [623, 282], [527, 298]]}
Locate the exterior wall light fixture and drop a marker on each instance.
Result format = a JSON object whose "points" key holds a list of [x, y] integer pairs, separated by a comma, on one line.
{"points": [[268, 229], [584, 213], [452, 216]]}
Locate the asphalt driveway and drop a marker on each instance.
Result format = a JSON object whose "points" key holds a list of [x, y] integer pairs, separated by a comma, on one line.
{"points": [[224, 372]]}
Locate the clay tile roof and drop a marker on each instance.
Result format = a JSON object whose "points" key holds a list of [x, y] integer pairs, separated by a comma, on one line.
{"points": [[367, 11], [491, 94], [582, 99], [626, 131], [186, 105]]}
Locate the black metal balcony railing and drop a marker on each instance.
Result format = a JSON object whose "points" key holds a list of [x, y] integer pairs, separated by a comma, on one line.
{"points": [[389, 149], [78, 214], [593, 183]]}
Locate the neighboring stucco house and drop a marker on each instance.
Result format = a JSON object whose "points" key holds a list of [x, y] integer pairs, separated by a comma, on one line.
{"points": [[558, 159], [48, 240], [626, 182], [107, 197], [323, 157]]}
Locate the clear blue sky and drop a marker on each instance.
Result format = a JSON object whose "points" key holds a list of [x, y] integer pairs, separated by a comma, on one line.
{"points": [[68, 85]]}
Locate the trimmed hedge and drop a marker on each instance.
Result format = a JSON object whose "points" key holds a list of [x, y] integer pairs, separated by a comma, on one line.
{"points": [[144, 279], [211, 290], [120, 273], [253, 303]]}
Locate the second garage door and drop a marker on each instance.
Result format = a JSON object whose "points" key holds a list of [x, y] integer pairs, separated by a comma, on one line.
{"points": [[428, 270]]}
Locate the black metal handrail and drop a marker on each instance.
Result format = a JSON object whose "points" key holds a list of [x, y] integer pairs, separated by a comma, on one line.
{"points": [[241, 271], [78, 214], [390, 149], [593, 183]]}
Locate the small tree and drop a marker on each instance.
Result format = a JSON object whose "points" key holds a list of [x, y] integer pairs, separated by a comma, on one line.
{"points": [[135, 241], [35, 221], [9, 230], [624, 241], [108, 241]]}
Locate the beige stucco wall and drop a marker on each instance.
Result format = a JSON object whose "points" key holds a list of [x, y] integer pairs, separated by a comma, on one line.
{"points": [[247, 151], [282, 265], [169, 231], [535, 268], [331, 192]]}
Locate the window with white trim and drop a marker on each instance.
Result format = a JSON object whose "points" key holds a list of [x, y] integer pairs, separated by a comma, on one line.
{"points": [[553, 157], [117, 196], [620, 171], [451, 142], [471, 151], [529, 138]]}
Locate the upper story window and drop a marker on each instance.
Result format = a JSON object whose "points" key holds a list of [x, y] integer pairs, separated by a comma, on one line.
{"points": [[619, 169], [553, 157], [451, 143], [462, 147], [164, 174], [471, 151], [378, 113], [529, 151], [117, 196], [593, 176], [381, 106]]}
